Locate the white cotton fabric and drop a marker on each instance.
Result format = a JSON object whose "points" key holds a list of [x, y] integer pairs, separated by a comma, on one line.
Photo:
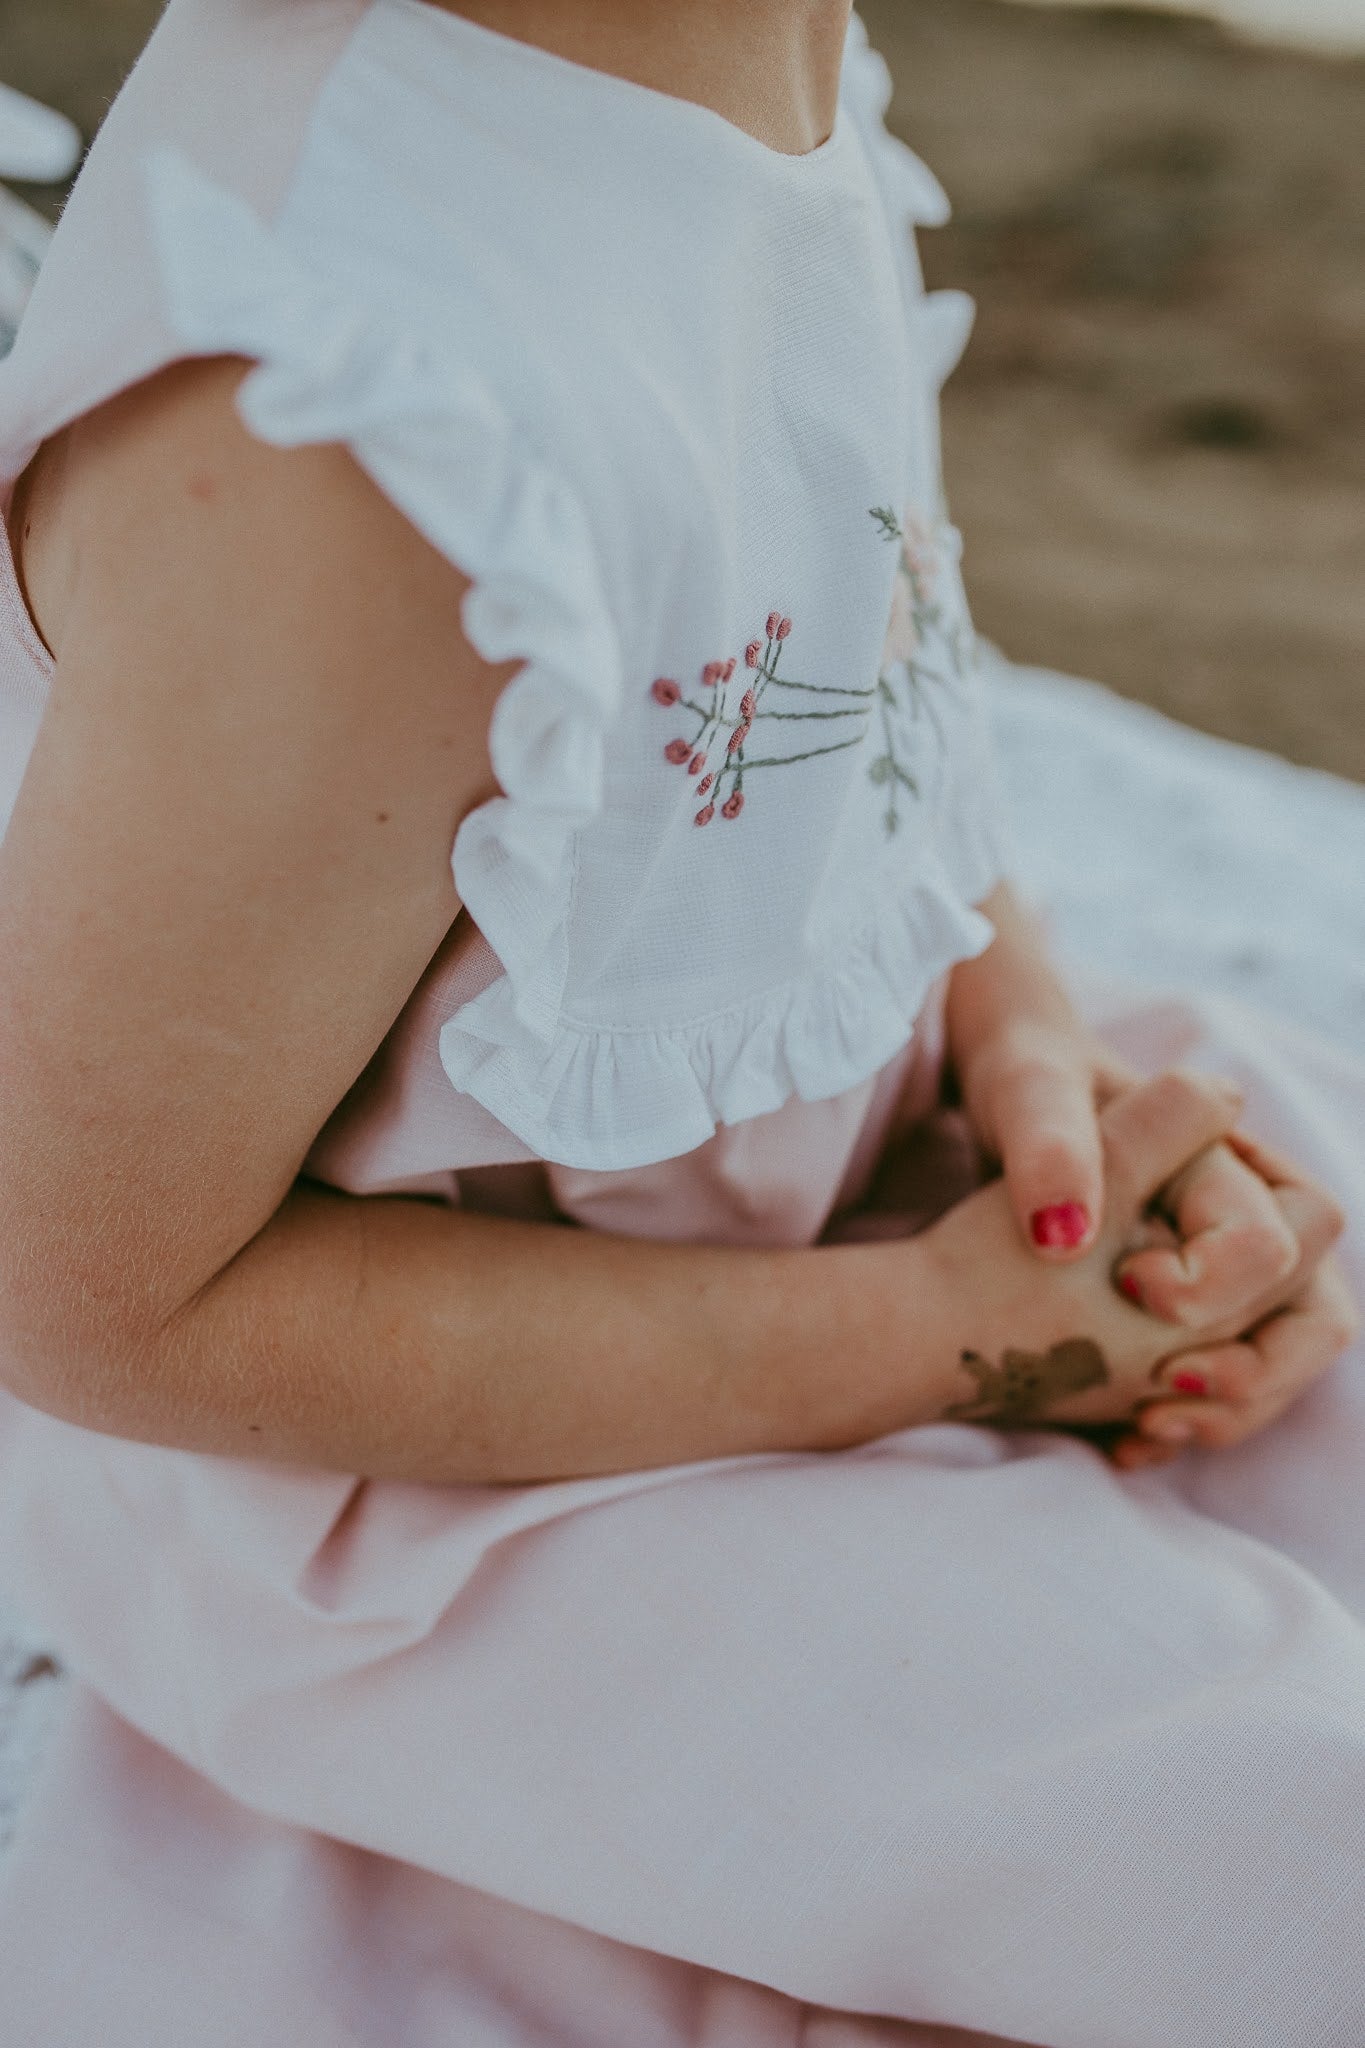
{"points": [[729, 423]]}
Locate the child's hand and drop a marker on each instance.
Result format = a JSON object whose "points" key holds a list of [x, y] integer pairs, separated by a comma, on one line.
{"points": [[1249, 1383], [1036, 1093], [1216, 1396], [1047, 1343]]}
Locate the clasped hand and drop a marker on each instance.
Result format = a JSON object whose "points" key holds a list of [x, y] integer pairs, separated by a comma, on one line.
{"points": [[1224, 1303]]}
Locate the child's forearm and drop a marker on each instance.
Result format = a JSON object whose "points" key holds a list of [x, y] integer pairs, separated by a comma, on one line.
{"points": [[396, 1338]]}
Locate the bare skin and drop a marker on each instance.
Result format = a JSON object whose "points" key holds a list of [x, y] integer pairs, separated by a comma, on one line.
{"points": [[1035, 1083], [770, 67], [228, 867], [1076, 1353]]}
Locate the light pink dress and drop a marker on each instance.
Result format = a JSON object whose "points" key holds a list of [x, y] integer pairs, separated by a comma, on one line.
{"points": [[952, 1731]]}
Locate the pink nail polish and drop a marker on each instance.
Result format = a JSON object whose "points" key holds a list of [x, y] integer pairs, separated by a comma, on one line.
{"points": [[1189, 1382], [1062, 1227], [1128, 1286]]}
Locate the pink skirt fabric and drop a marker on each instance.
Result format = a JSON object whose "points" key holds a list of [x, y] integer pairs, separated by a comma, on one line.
{"points": [[953, 1730]]}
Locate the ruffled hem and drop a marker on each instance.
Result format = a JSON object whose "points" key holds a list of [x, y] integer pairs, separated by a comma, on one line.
{"points": [[634, 1097], [436, 440]]}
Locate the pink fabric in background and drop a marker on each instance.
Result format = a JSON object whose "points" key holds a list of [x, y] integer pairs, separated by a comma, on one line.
{"points": [[953, 1728]]}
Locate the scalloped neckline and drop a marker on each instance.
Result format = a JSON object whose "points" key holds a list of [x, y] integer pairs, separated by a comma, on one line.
{"points": [[535, 56]]}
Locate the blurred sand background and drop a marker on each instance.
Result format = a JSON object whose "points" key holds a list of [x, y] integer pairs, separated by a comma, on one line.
{"points": [[1156, 445]]}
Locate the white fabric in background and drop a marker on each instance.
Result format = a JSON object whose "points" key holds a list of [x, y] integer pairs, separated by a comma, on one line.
{"points": [[1175, 859], [40, 147]]}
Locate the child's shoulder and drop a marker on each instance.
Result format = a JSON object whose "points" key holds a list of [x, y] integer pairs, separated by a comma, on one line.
{"points": [[418, 199]]}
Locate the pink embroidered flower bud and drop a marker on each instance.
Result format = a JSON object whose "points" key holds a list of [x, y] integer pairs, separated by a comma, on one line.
{"points": [[748, 704], [665, 691], [678, 751], [729, 669], [713, 673], [774, 621], [737, 738], [705, 815], [696, 764], [733, 806], [705, 784], [783, 628], [753, 654]]}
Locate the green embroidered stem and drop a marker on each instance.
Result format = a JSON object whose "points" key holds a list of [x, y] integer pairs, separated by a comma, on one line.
{"points": [[851, 712], [923, 681], [887, 768], [820, 689], [789, 760]]}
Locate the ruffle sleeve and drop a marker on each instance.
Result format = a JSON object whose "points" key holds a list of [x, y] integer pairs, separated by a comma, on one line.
{"points": [[429, 428], [909, 185], [435, 438], [913, 198]]}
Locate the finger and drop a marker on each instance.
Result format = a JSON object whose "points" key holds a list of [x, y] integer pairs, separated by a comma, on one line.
{"points": [[1316, 1218], [1313, 1211], [1048, 1136], [1112, 1076], [1140, 1454], [1234, 1373], [1299, 1343], [1274, 1168], [1234, 1244], [1251, 1383], [1231, 1376], [1154, 1130], [1231, 1274]]}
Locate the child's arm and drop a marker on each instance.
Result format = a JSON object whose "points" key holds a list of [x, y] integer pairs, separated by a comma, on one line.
{"points": [[227, 869], [395, 1338]]}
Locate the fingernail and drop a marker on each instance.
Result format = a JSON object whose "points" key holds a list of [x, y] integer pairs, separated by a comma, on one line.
{"points": [[1168, 1432], [1186, 1382], [1128, 1285], [1062, 1227]]}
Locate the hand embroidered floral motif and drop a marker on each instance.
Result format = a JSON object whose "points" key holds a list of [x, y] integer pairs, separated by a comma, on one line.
{"points": [[723, 746], [935, 655], [932, 656]]}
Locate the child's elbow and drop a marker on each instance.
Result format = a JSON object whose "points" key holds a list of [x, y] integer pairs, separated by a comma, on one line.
{"points": [[66, 1348]]}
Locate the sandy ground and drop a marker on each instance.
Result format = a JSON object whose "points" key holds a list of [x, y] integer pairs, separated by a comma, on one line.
{"points": [[1156, 446]]}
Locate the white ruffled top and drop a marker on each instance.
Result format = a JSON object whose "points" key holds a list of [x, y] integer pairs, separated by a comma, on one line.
{"points": [[669, 399]]}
